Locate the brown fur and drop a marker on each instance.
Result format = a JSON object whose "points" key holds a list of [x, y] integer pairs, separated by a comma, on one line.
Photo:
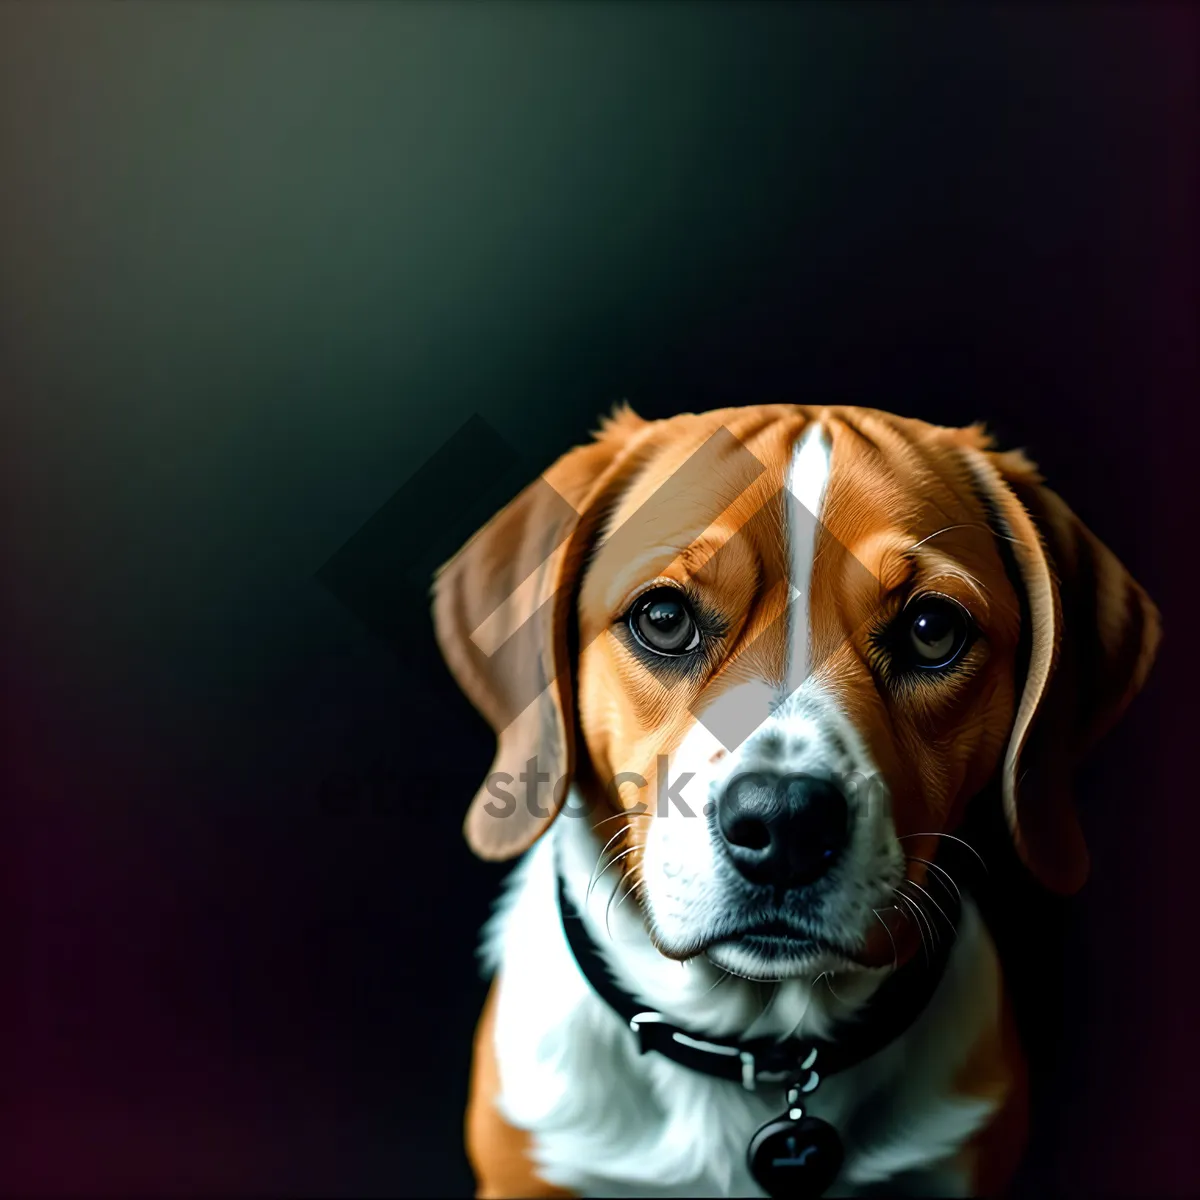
{"points": [[499, 1154]]}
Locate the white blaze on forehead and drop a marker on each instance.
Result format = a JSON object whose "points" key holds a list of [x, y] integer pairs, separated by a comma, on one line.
{"points": [[808, 476]]}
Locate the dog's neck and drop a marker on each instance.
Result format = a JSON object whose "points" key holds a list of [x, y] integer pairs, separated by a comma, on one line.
{"points": [[696, 995]]}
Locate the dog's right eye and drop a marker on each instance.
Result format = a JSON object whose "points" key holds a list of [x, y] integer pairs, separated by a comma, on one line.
{"points": [[663, 622]]}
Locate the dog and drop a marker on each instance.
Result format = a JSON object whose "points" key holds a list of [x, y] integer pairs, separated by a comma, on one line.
{"points": [[746, 668]]}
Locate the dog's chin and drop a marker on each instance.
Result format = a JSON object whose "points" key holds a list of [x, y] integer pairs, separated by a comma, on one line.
{"points": [[771, 957]]}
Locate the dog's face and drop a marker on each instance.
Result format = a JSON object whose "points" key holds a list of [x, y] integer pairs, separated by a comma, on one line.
{"points": [[822, 670], [778, 649]]}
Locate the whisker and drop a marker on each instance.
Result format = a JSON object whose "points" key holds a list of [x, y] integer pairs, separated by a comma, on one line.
{"points": [[594, 877], [633, 887], [935, 933], [935, 904], [614, 817], [964, 525], [942, 870], [613, 861], [895, 952], [623, 815], [766, 1008], [608, 907], [620, 833], [944, 529], [908, 904], [829, 984], [953, 839], [970, 579], [724, 975]]}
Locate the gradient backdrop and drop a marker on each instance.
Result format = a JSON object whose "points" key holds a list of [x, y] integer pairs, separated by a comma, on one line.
{"points": [[259, 260]]}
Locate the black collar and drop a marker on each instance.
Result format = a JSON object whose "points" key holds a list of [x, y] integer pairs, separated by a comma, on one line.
{"points": [[896, 1004]]}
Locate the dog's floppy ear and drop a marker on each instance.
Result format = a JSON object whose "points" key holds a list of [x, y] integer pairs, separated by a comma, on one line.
{"points": [[1092, 637], [503, 617]]}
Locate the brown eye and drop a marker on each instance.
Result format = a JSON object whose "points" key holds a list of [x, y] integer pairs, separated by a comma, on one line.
{"points": [[663, 622], [938, 632]]}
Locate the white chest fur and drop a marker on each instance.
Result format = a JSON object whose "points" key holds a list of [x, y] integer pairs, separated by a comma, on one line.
{"points": [[607, 1121]]}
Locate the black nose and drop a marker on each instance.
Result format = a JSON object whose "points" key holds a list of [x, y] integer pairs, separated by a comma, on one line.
{"points": [[782, 830]]}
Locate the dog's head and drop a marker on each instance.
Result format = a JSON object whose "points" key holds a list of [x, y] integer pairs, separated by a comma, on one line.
{"points": [[776, 649]]}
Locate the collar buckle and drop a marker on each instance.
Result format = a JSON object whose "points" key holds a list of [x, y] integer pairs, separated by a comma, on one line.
{"points": [[749, 1071], [642, 1024], [772, 1065]]}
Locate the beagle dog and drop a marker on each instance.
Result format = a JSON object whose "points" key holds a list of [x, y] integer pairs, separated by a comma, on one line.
{"points": [[746, 668]]}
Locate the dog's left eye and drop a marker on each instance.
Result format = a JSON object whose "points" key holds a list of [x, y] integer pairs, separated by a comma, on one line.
{"points": [[937, 632], [662, 621]]}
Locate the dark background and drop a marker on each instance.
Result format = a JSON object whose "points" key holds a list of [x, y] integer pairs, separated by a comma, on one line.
{"points": [[259, 261]]}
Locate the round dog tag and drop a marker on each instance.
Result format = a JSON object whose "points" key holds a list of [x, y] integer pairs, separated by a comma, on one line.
{"points": [[795, 1158]]}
